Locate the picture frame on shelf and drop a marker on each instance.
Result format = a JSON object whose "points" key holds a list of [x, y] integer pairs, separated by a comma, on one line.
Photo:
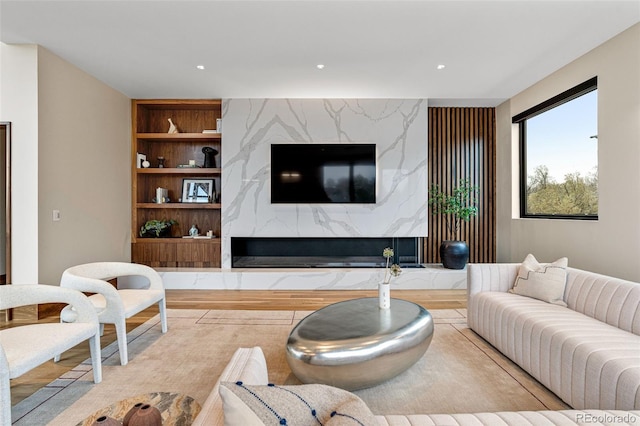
{"points": [[198, 190]]}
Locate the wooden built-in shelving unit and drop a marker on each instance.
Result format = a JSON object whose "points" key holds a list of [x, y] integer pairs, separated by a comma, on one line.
{"points": [[149, 136]]}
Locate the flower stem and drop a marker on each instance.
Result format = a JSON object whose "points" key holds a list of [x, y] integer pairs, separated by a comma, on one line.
{"points": [[387, 276]]}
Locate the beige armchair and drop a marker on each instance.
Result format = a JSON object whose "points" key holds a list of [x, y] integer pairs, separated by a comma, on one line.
{"points": [[25, 347], [114, 305]]}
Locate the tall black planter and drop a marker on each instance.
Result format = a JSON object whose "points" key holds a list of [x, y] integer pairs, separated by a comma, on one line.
{"points": [[454, 254]]}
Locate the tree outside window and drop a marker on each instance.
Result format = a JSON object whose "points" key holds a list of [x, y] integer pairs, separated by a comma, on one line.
{"points": [[559, 155]]}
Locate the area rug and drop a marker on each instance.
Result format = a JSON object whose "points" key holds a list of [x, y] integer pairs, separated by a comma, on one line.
{"points": [[459, 373]]}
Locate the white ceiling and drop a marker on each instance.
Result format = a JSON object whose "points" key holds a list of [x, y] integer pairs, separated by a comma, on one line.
{"points": [[269, 49]]}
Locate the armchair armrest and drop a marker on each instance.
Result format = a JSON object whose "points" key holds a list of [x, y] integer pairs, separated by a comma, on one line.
{"points": [[105, 271], [134, 269], [15, 295], [92, 278], [93, 285]]}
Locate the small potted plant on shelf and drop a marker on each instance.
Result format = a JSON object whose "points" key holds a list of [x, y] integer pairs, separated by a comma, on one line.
{"points": [[456, 206], [157, 228]]}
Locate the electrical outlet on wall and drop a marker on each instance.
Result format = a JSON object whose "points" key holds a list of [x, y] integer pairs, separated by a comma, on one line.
{"points": [[56, 215]]}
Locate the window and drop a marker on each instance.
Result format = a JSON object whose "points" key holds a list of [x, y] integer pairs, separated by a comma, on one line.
{"points": [[559, 155]]}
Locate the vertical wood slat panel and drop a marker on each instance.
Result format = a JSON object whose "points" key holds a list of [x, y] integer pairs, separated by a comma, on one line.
{"points": [[461, 145]]}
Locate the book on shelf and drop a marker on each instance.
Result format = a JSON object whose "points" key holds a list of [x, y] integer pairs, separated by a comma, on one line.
{"points": [[210, 131]]}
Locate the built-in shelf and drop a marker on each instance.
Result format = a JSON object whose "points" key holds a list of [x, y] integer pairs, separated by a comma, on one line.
{"points": [[150, 122], [176, 137], [198, 206], [179, 240], [191, 171]]}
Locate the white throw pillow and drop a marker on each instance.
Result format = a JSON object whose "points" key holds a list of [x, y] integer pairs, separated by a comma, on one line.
{"points": [[543, 281], [291, 405]]}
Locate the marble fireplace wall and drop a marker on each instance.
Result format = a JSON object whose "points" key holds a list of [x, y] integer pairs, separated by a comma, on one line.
{"points": [[398, 128]]}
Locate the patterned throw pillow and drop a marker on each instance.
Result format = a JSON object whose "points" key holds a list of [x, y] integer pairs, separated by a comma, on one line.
{"points": [[292, 405], [543, 281]]}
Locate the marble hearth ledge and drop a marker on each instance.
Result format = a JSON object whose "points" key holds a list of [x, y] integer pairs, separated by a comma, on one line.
{"points": [[431, 277]]}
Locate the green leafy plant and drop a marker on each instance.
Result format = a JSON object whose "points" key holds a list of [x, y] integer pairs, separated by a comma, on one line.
{"points": [[390, 270], [455, 206], [156, 227]]}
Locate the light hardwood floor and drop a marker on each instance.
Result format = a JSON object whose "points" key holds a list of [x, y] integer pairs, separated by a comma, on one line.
{"points": [[303, 299], [30, 382]]}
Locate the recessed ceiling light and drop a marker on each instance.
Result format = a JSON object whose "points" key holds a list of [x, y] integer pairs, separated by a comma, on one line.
{"points": [[320, 66], [440, 67], [200, 67]]}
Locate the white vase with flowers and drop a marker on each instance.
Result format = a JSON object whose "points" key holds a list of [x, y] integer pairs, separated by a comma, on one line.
{"points": [[384, 288]]}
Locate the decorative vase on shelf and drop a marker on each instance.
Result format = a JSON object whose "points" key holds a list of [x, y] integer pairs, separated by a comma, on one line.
{"points": [[384, 295], [172, 127], [209, 157]]}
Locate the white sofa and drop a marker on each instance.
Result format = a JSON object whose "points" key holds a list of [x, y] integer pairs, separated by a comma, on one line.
{"points": [[587, 353], [249, 366]]}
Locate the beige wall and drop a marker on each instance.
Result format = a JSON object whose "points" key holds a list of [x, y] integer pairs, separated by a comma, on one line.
{"points": [[610, 245], [84, 169]]}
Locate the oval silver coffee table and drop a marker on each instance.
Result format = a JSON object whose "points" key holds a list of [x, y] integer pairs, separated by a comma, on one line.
{"points": [[355, 345]]}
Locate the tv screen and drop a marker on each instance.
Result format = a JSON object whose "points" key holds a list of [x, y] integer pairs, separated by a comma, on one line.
{"points": [[323, 173]]}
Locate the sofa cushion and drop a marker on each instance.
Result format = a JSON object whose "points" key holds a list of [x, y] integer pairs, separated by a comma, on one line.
{"points": [[315, 404], [607, 299], [544, 281], [587, 363]]}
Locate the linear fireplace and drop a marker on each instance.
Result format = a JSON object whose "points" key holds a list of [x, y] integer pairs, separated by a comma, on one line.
{"points": [[322, 252]]}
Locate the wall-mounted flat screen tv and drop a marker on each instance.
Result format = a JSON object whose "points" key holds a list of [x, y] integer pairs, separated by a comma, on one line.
{"points": [[323, 173]]}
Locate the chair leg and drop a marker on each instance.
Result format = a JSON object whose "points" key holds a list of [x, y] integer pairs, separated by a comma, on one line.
{"points": [[5, 399], [96, 358], [163, 314], [101, 329], [121, 335], [57, 357]]}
